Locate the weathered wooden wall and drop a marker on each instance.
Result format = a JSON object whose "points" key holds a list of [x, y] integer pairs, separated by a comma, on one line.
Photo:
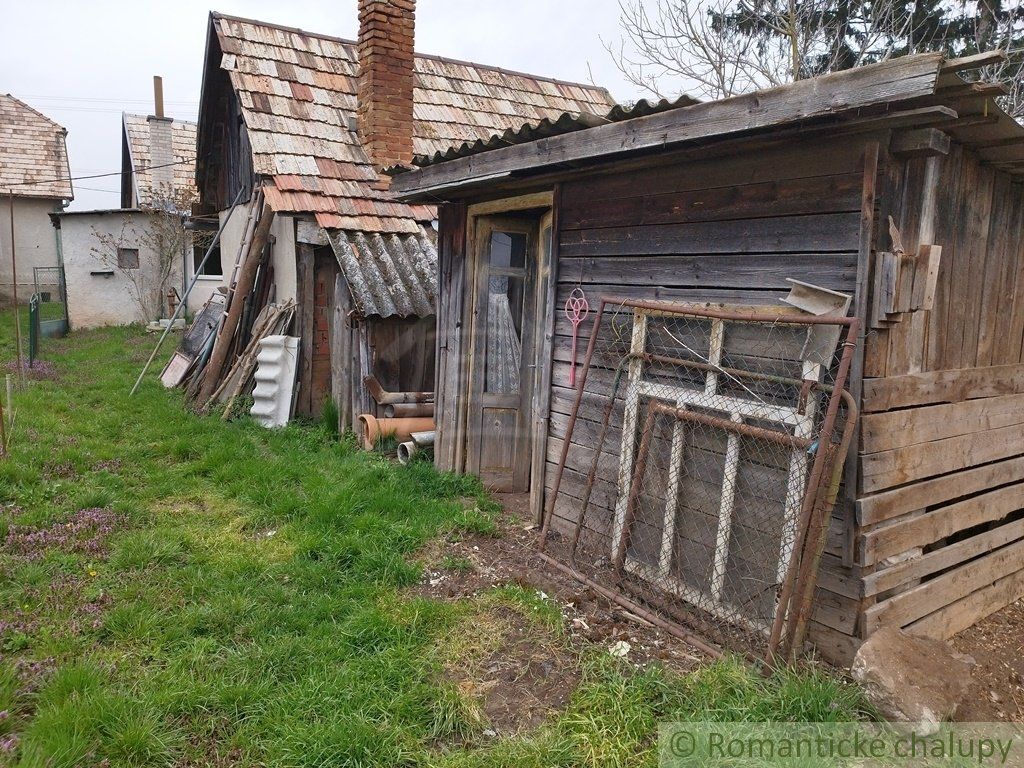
{"points": [[939, 537], [452, 330], [942, 449], [723, 230]]}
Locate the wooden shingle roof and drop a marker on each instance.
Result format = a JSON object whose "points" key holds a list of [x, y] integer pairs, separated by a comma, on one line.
{"points": [[33, 152], [138, 131], [297, 93]]}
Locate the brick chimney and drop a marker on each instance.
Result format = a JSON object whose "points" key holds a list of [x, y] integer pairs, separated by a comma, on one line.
{"points": [[386, 34]]}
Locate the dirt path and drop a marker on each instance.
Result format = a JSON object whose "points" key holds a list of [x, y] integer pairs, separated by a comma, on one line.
{"points": [[510, 558], [997, 645]]}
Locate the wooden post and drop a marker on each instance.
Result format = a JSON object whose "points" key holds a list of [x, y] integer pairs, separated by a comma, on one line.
{"points": [[10, 403], [14, 288], [246, 278], [3, 432]]}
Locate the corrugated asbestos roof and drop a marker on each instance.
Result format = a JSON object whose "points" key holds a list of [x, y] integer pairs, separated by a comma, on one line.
{"points": [[389, 274], [138, 130], [298, 91], [33, 152], [565, 123]]}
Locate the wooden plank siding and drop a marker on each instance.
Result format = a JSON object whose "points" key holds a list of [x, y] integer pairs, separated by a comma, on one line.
{"points": [[941, 506], [978, 314], [451, 330], [718, 231]]}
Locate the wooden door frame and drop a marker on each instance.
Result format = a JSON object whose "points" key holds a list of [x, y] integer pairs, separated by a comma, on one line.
{"points": [[545, 278], [481, 398]]}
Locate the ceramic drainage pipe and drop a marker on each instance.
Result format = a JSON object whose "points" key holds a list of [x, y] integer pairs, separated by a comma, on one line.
{"points": [[408, 410], [406, 451], [373, 429]]}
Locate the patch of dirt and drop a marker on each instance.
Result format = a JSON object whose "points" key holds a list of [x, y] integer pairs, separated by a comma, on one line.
{"points": [[522, 680], [997, 645], [484, 562]]}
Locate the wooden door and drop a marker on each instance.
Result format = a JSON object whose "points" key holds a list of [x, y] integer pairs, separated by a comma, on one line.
{"points": [[504, 318]]}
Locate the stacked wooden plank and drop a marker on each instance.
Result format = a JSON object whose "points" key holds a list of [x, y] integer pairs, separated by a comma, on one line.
{"points": [[223, 369], [943, 522]]}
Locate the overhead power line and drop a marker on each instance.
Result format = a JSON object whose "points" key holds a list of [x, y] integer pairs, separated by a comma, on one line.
{"points": [[106, 100], [93, 175]]}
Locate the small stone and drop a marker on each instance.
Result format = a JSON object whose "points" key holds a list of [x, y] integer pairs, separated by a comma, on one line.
{"points": [[490, 733], [620, 649]]}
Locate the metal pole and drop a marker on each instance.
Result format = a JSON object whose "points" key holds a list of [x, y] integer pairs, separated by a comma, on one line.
{"points": [[184, 299], [14, 288]]}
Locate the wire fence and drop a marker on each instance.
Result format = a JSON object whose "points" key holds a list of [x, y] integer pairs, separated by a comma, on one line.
{"points": [[701, 462]]}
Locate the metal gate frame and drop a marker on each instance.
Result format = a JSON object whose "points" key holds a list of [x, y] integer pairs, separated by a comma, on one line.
{"points": [[809, 514]]}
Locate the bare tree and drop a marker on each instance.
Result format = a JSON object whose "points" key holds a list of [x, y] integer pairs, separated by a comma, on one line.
{"points": [[1000, 26], [721, 48], [148, 255]]}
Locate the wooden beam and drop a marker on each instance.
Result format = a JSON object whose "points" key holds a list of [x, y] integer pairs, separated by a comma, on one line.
{"points": [[964, 90], [836, 93], [880, 507], [942, 387], [923, 142], [973, 62], [969, 610], [902, 535], [888, 469], [226, 334], [932, 595], [866, 245], [907, 571], [899, 429], [997, 143]]}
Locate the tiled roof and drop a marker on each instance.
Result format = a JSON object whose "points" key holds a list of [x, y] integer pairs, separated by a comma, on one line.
{"points": [[32, 149], [298, 92], [138, 129], [567, 122], [389, 274]]}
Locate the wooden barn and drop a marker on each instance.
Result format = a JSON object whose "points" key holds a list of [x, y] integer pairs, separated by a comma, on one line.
{"points": [[309, 120], [898, 184]]}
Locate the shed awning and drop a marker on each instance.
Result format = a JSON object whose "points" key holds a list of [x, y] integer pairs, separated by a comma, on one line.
{"points": [[389, 275]]}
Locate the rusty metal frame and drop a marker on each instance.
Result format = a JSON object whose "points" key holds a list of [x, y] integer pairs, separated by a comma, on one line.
{"points": [[801, 574]]}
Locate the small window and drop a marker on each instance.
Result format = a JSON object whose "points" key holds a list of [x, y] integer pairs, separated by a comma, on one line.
{"points": [[128, 258], [213, 267]]}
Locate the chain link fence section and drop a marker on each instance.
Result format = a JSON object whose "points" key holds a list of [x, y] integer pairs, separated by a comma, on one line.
{"points": [[700, 464]]}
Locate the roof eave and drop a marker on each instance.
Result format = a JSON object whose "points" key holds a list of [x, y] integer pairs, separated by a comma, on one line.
{"points": [[807, 101]]}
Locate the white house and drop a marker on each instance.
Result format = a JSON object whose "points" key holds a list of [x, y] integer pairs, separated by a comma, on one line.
{"points": [[35, 180], [131, 264]]}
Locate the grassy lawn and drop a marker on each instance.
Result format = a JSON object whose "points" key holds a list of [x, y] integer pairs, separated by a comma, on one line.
{"points": [[182, 591]]}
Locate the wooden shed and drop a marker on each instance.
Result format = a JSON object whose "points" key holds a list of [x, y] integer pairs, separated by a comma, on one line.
{"points": [[898, 184]]}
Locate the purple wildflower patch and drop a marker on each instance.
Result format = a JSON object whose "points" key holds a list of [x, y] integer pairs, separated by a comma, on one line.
{"points": [[40, 370], [84, 532], [107, 465]]}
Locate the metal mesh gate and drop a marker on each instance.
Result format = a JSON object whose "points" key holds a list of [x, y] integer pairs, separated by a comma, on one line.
{"points": [[700, 464]]}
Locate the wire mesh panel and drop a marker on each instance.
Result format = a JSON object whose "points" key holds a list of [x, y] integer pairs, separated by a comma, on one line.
{"points": [[699, 454]]}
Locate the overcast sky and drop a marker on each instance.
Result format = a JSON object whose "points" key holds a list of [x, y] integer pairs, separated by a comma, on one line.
{"points": [[83, 63]]}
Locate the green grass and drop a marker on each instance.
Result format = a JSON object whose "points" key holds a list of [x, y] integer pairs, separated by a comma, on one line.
{"points": [[250, 606]]}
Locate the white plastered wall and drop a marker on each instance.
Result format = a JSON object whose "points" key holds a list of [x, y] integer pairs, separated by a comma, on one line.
{"points": [[282, 254], [99, 293], [35, 244]]}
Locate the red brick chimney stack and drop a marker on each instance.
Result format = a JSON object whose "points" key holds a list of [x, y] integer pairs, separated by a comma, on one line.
{"points": [[386, 34]]}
